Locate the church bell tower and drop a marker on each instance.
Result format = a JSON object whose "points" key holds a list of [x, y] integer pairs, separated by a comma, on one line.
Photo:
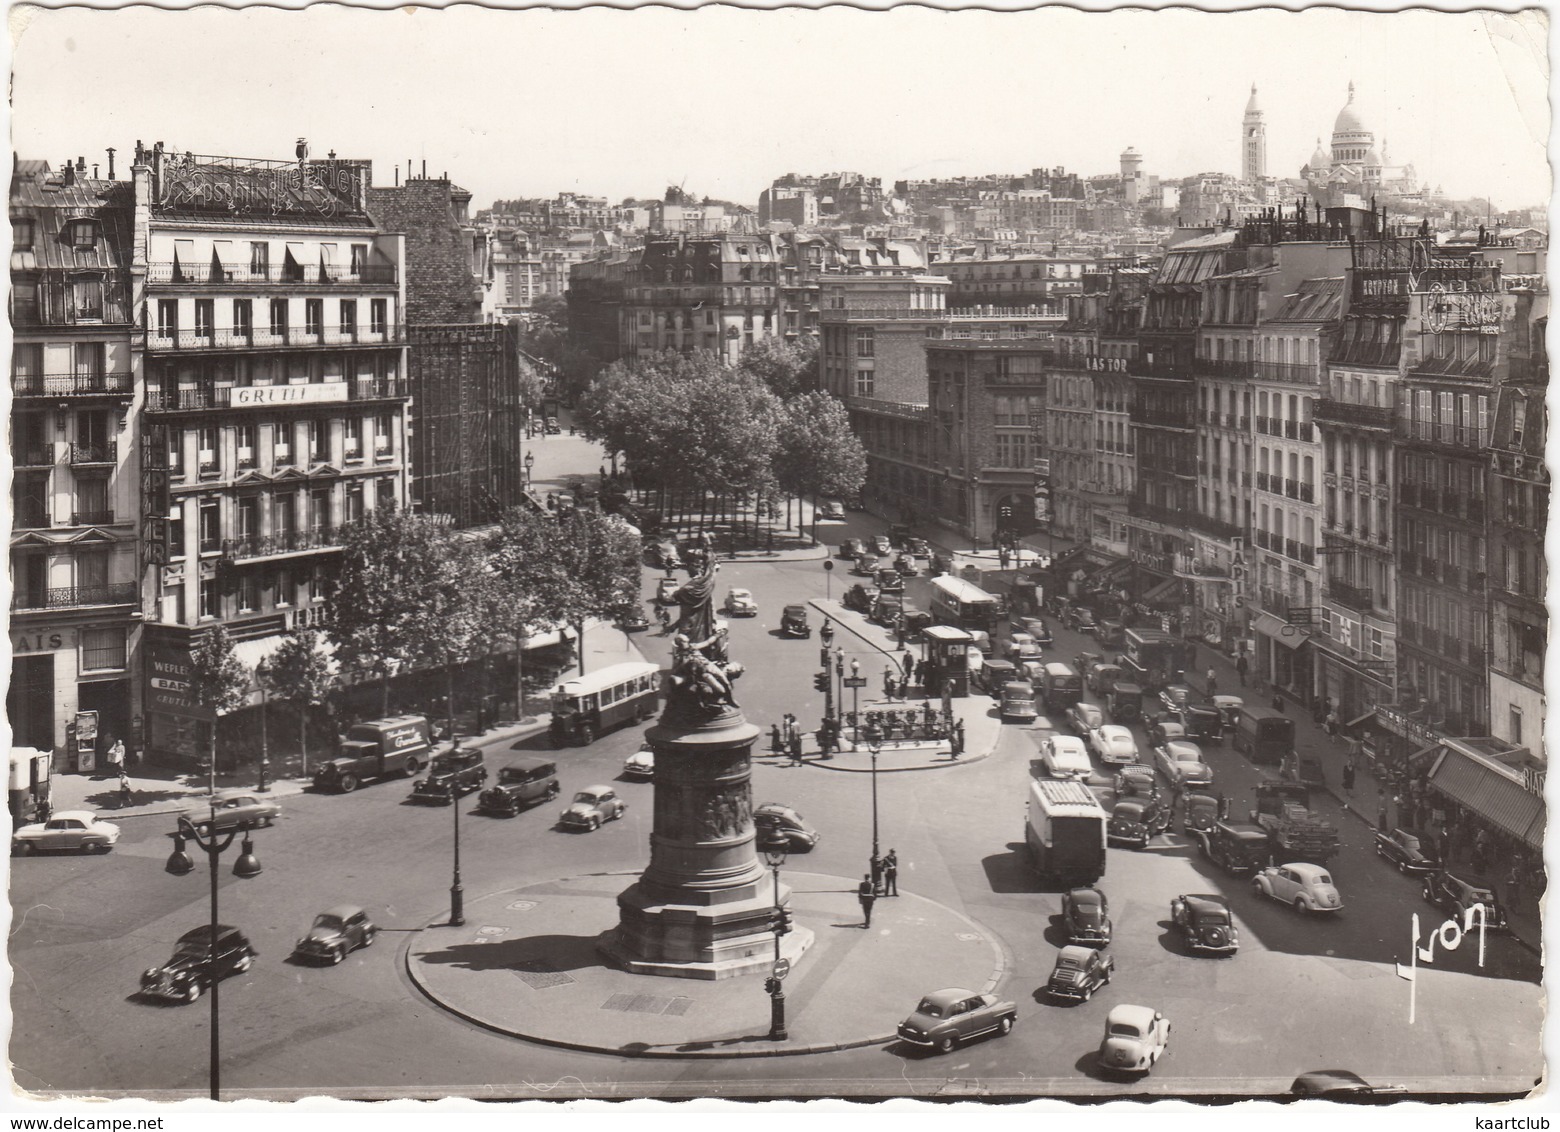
{"points": [[1253, 163]]}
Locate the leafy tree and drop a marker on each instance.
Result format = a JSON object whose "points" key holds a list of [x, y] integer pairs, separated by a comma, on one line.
{"points": [[818, 453], [378, 600], [218, 683], [785, 367], [447, 625], [300, 673]]}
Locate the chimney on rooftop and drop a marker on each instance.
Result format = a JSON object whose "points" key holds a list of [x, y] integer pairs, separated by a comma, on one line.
{"points": [[68, 174], [81, 166], [110, 163]]}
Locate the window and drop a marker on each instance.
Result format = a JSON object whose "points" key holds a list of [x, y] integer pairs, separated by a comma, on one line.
{"points": [[319, 442], [87, 296], [102, 648], [248, 592], [210, 600], [243, 319], [260, 260], [349, 317], [210, 526], [378, 313], [1516, 725], [286, 588], [384, 429], [167, 318], [279, 317], [23, 233], [176, 532], [207, 448], [384, 493], [282, 446], [244, 437], [864, 382], [354, 510], [319, 510], [865, 341], [205, 317], [359, 258], [352, 438], [82, 233], [89, 360], [313, 316]]}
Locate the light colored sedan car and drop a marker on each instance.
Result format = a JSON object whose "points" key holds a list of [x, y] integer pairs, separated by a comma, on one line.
{"points": [[1307, 887], [77, 831], [1114, 744], [1064, 756], [740, 603], [945, 1018], [233, 811], [640, 765], [1135, 1038], [1182, 764], [591, 807]]}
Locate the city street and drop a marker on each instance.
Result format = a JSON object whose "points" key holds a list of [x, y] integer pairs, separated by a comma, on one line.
{"points": [[1301, 993]]}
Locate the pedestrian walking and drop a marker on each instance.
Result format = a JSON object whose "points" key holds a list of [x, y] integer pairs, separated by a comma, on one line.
{"points": [[116, 757], [958, 739], [866, 893], [1003, 557], [1278, 701], [796, 748], [1330, 724], [888, 682], [775, 743], [1348, 777], [947, 699], [1240, 667], [891, 874], [1381, 811], [920, 674], [124, 789], [1513, 884], [909, 665]]}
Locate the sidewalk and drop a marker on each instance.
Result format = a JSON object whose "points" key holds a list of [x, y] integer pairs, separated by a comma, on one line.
{"points": [[1332, 753]]}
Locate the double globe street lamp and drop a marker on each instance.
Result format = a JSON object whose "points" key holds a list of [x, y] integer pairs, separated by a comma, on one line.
{"points": [[776, 847], [246, 867]]}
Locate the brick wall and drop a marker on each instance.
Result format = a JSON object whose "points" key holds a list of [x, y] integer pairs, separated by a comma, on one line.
{"points": [[440, 287]]}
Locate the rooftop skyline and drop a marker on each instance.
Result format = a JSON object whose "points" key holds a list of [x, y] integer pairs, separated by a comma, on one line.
{"points": [[623, 103]]}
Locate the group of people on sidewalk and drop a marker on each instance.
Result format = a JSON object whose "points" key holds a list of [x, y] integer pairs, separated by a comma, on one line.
{"points": [[881, 880]]}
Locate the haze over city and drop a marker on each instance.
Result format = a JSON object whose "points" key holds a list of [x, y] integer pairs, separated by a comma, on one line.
{"points": [[624, 103]]}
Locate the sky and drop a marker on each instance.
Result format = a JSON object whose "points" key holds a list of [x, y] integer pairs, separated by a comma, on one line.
{"points": [[525, 103]]}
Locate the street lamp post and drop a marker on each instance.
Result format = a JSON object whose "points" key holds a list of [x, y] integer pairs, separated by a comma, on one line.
{"points": [[263, 680], [826, 635], [246, 867], [875, 746], [854, 683], [457, 890], [775, 849]]}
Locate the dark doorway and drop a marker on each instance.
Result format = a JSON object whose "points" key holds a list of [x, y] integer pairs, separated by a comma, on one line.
{"points": [[29, 702]]}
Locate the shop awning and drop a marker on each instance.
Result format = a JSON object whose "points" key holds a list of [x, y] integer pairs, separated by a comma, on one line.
{"points": [[1356, 722], [1290, 636], [1162, 592], [1490, 795]]}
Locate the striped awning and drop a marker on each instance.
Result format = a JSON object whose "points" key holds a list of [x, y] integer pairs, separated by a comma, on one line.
{"points": [[1495, 797], [1290, 636]]}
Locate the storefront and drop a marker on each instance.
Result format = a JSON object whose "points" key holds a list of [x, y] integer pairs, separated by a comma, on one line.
{"points": [[1497, 785], [1284, 655]]}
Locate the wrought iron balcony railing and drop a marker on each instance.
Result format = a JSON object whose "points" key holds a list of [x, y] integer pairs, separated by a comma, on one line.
{"points": [[159, 340], [70, 384], [310, 274], [70, 597]]}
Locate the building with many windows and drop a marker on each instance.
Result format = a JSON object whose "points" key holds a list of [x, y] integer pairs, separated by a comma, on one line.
{"points": [[76, 607], [273, 361]]}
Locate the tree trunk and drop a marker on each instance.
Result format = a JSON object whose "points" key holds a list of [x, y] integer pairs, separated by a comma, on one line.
{"points": [[520, 639], [449, 705], [384, 695], [579, 630]]}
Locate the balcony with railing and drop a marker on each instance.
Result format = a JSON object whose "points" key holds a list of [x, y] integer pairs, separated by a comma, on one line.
{"points": [[287, 542], [1288, 373], [1159, 371], [92, 518], [55, 385], [291, 337], [1222, 368], [33, 455], [222, 396], [1354, 597], [72, 597], [1208, 525], [76, 300], [1443, 435], [1326, 410], [106, 452], [1159, 419], [280, 274]]}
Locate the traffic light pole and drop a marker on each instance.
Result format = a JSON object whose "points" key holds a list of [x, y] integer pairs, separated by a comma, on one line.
{"points": [[777, 1030]]}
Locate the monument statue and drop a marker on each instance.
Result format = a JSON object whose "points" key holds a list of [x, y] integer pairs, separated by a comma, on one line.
{"points": [[702, 670]]}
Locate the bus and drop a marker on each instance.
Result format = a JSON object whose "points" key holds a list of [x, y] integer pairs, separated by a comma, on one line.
{"points": [[965, 605], [1152, 658], [584, 707], [1264, 735]]}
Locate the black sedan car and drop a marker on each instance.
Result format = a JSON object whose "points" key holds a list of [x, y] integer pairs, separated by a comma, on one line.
{"points": [[336, 932], [1085, 912], [861, 598], [945, 1018], [1339, 1084], [1457, 891], [1205, 923], [1079, 972], [194, 967], [1404, 849]]}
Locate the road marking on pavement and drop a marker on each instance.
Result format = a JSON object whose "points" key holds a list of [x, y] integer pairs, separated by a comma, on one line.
{"points": [[522, 905], [491, 929], [967, 937]]}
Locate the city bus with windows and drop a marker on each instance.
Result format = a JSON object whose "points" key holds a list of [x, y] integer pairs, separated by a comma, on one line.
{"points": [[588, 705], [964, 605]]}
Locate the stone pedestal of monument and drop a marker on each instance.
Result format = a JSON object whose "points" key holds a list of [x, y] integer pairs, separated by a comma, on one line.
{"points": [[703, 907]]}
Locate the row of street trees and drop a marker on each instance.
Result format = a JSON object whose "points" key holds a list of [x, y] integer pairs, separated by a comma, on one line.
{"points": [[696, 432], [411, 593]]}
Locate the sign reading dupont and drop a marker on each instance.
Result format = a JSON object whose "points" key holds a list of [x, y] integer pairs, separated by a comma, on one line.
{"points": [[254, 396]]}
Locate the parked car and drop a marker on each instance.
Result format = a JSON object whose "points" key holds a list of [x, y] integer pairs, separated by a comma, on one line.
{"points": [[1162, 728], [77, 831], [640, 766], [1111, 633], [1135, 1039], [450, 775], [552, 428], [1306, 768], [919, 547], [1339, 1083], [632, 619], [193, 968], [831, 509], [1228, 708], [1176, 696], [1083, 719], [665, 588], [1135, 821], [1079, 972], [1306, 887], [1183, 765], [1080, 618], [1101, 676], [740, 603], [1086, 914], [1136, 780], [523, 783], [945, 1018], [852, 549], [793, 622], [1205, 923], [861, 598], [1199, 813], [880, 545], [1456, 891], [774, 818], [1064, 756], [233, 811], [1114, 744], [1405, 850], [335, 933], [592, 806]]}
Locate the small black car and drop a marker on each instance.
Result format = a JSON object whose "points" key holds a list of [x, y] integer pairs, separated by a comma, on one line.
{"points": [[520, 784], [1085, 912], [454, 772], [1456, 891], [192, 968], [793, 622], [861, 598]]}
